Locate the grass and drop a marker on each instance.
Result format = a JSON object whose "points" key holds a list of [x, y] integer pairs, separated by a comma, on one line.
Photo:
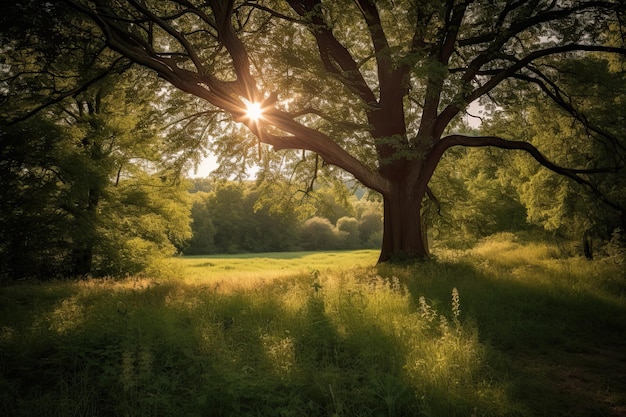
{"points": [[259, 268], [505, 329]]}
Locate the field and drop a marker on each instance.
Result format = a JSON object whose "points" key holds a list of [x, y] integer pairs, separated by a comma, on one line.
{"points": [[508, 328]]}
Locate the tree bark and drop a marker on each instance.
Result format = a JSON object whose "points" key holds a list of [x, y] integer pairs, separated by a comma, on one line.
{"points": [[404, 234], [82, 252]]}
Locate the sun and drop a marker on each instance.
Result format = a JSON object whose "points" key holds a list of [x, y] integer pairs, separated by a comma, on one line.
{"points": [[254, 111]]}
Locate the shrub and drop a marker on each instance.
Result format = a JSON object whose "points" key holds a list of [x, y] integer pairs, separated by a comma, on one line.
{"points": [[318, 233]]}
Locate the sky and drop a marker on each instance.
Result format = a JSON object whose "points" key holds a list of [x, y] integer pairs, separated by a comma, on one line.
{"points": [[205, 168]]}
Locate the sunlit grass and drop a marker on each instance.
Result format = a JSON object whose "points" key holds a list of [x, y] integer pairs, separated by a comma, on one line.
{"points": [[252, 270], [316, 334]]}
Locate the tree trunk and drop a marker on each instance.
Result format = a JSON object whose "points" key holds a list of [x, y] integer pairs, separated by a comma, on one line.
{"points": [[82, 260], [404, 234], [82, 252]]}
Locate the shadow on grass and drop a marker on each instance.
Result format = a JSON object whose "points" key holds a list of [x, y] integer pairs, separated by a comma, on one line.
{"points": [[344, 346], [562, 347], [171, 350]]}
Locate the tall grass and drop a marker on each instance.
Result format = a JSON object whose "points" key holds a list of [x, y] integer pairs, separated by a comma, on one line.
{"points": [[331, 334]]}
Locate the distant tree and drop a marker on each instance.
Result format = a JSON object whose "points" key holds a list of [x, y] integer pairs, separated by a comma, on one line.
{"points": [[228, 214], [203, 185], [373, 88], [229, 219], [475, 197], [269, 216], [596, 88], [371, 228], [202, 227], [331, 201], [270, 230]]}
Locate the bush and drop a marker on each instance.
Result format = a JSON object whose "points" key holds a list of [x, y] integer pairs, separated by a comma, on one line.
{"points": [[371, 228], [318, 233], [349, 226]]}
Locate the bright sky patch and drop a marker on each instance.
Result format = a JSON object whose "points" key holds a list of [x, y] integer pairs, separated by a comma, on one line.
{"points": [[254, 111]]}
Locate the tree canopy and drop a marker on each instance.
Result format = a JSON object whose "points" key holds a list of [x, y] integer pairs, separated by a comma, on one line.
{"points": [[373, 88], [87, 180]]}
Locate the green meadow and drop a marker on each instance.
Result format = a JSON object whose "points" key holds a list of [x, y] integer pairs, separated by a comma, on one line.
{"points": [[508, 328]]}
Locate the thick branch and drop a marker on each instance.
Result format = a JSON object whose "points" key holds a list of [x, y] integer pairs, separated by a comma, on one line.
{"points": [[497, 142], [336, 58], [381, 45], [272, 12], [302, 137], [454, 17], [208, 87], [191, 52], [510, 72], [198, 12], [548, 16], [235, 48]]}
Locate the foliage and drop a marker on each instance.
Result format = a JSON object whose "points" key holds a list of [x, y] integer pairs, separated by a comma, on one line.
{"points": [[145, 219], [375, 89], [474, 199], [239, 217], [556, 203], [505, 329], [349, 228], [202, 227], [320, 233], [27, 186], [86, 185], [91, 164], [228, 220]]}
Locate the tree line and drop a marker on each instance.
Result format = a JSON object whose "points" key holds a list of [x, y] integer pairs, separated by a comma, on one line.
{"points": [[82, 196], [93, 186], [234, 217]]}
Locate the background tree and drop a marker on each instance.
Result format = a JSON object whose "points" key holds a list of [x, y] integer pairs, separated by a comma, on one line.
{"points": [[263, 216], [79, 152], [320, 234], [84, 183], [202, 227], [475, 197], [597, 90], [229, 219], [370, 87], [349, 228]]}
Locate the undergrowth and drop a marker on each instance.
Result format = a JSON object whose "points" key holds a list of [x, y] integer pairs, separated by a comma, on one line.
{"points": [[440, 338]]}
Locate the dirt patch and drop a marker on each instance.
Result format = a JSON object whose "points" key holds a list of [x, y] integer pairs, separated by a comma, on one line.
{"points": [[575, 384]]}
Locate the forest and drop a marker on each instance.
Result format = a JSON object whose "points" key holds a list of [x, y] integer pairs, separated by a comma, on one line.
{"points": [[415, 208], [100, 127]]}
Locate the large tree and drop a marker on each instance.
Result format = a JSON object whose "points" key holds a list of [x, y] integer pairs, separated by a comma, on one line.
{"points": [[372, 87]]}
